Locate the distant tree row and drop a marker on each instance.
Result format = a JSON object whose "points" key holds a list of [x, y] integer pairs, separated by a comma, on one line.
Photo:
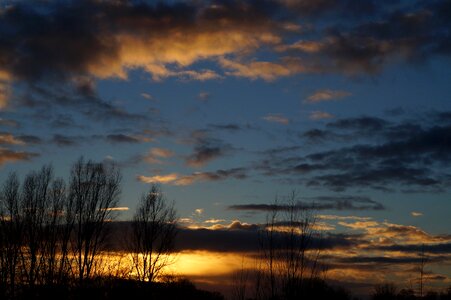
{"points": [[54, 233], [389, 291], [289, 264]]}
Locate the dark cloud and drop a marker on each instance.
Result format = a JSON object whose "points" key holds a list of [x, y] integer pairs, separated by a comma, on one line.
{"points": [[66, 141], [409, 260], [63, 99], [64, 121], [122, 138], [410, 33], [361, 124], [370, 152], [244, 240], [441, 248], [206, 149], [231, 127], [318, 203], [80, 40], [238, 237], [221, 174], [30, 139]]}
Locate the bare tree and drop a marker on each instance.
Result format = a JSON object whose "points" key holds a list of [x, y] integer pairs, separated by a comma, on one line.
{"points": [[290, 260], [34, 210], [154, 228], [10, 234], [421, 270], [240, 282], [94, 190], [54, 250]]}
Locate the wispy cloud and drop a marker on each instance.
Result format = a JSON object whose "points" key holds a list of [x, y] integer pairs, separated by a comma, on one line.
{"points": [[204, 96], [147, 96], [168, 178], [155, 155], [276, 118], [326, 95], [317, 203], [206, 149], [178, 179], [320, 115], [268, 71]]}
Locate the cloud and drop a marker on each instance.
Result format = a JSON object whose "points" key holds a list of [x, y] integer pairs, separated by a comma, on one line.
{"points": [[242, 237], [214, 221], [416, 214], [168, 178], [178, 179], [119, 208], [268, 71], [359, 224], [4, 88], [82, 45], [318, 203], [326, 95], [96, 48], [7, 156], [199, 211], [147, 96], [276, 118], [9, 123], [30, 139], [206, 149], [439, 248], [124, 138], [9, 139], [204, 96], [155, 156], [320, 115], [369, 152], [235, 173], [66, 141]]}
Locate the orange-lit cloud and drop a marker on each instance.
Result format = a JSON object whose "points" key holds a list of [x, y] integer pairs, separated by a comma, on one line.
{"points": [[119, 208], [9, 139], [155, 155], [4, 88], [7, 155], [265, 70], [214, 221], [169, 178]]}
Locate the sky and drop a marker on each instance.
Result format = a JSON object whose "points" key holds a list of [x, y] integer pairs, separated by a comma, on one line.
{"points": [[229, 105]]}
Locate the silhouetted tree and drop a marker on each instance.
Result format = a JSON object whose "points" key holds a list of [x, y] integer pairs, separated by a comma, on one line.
{"points": [[93, 192], [421, 270], [10, 234], [385, 291], [34, 211], [240, 283], [290, 260], [154, 228]]}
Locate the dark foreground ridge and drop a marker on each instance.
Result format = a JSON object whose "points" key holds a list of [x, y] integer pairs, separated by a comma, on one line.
{"points": [[118, 289]]}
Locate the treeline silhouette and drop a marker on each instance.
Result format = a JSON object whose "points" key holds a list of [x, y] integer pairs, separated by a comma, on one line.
{"points": [[389, 291], [55, 240]]}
